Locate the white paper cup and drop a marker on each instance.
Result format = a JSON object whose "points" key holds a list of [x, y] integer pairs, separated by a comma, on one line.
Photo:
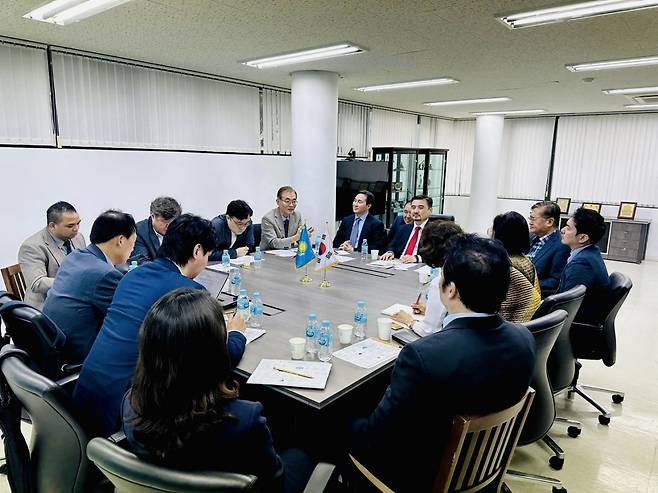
{"points": [[423, 277], [374, 254], [345, 333], [297, 347], [384, 328]]}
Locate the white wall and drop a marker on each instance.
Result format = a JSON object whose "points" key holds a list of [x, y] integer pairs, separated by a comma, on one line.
{"points": [[95, 180], [458, 206]]}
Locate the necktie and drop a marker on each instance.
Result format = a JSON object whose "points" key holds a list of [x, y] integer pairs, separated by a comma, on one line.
{"points": [[412, 242], [67, 245], [286, 222], [354, 237]]}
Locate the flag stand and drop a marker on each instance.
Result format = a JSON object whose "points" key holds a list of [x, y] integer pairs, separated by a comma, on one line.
{"points": [[325, 283], [306, 279]]}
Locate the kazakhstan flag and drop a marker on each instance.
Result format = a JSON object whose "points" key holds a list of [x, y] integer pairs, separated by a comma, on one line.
{"points": [[305, 253]]}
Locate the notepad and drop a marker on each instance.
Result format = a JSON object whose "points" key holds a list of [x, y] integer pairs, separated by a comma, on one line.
{"points": [[253, 334], [368, 353], [384, 264], [246, 260], [291, 373], [282, 253]]}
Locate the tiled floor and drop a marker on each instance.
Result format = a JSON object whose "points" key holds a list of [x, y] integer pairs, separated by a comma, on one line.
{"points": [[621, 457]]}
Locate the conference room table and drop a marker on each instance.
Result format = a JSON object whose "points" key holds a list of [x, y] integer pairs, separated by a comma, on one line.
{"points": [[287, 305]]}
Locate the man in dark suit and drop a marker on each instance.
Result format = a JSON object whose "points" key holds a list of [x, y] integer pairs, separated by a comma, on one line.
{"points": [[404, 218], [109, 367], [585, 265], [355, 228], [234, 231], [406, 241], [86, 281], [151, 231], [477, 364], [547, 252]]}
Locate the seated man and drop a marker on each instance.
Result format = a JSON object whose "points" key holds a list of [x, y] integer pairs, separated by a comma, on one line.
{"points": [[42, 253], [401, 220], [355, 228], [233, 231], [407, 239], [477, 364], [281, 227], [547, 252], [151, 231], [86, 281], [109, 367], [585, 265]]}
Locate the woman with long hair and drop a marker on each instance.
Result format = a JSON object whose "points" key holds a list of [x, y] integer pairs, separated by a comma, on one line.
{"points": [[183, 408]]}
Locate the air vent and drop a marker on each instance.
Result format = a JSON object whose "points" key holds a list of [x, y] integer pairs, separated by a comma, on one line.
{"points": [[647, 99]]}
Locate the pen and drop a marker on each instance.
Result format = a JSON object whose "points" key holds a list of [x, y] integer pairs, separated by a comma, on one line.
{"points": [[293, 372]]}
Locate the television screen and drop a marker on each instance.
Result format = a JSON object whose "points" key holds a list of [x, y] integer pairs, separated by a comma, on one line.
{"points": [[352, 176]]}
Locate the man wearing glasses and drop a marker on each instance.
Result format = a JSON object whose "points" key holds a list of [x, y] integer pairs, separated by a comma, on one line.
{"points": [[282, 226], [233, 231]]}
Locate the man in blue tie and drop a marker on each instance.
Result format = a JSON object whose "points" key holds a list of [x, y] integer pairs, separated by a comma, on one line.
{"points": [[355, 228]]}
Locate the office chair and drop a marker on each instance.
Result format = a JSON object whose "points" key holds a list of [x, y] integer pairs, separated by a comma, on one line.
{"points": [[129, 474], [14, 280], [598, 341], [561, 366], [441, 217], [541, 416], [257, 235], [477, 453]]}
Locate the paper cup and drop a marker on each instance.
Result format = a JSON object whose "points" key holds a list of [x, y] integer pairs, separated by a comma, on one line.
{"points": [[384, 328], [423, 277], [374, 254], [345, 333], [297, 347]]}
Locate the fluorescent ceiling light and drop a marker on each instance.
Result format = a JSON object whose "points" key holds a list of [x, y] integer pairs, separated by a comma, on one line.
{"points": [[574, 11], [304, 56], [612, 64], [632, 90], [65, 12], [641, 106], [510, 112], [467, 101], [413, 83]]}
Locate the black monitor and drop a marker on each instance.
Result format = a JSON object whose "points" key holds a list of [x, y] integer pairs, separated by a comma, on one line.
{"points": [[352, 176]]}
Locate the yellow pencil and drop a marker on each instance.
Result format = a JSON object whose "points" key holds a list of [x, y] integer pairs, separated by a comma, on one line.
{"points": [[293, 372]]}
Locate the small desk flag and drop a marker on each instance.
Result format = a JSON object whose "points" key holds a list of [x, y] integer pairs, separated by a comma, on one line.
{"points": [[305, 253]]}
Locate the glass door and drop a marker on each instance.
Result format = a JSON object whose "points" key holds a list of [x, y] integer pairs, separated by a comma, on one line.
{"points": [[402, 185], [421, 163], [435, 174]]}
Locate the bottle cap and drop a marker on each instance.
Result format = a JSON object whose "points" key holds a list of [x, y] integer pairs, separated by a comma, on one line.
{"points": [[256, 293], [312, 316], [361, 303], [326, 322], [243, 292]]}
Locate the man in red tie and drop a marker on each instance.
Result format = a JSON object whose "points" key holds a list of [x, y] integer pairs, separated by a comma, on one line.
{"points": [[407, 240]]}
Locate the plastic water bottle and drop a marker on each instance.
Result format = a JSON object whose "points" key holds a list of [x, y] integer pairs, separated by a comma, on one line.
{"points": [[325, 341], [236, 280], [364, 250], [434, 273], [258, 258], [256, 310], [243, 304], [226, 260], [133, 265], [360, 320], [312, 333]]}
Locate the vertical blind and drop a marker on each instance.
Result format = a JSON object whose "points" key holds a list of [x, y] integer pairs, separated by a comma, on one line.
{"points": [[460, 158], [352, 129], [391, 128], [276, 121], [25, 116], [435, 132]]}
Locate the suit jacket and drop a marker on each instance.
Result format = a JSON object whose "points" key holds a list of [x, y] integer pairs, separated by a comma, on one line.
{"points": [[80, 297], [147, 243], [588, 269], [273, 234], [550, 261], [40, 258], [372, 230], [473, 365], [109, 367], [400, 239], [399, 221], [223, 238], [242, 444]]}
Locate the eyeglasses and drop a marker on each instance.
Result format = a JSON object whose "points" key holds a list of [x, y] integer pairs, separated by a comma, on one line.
{"points": [[289, 201], [241, 224]]}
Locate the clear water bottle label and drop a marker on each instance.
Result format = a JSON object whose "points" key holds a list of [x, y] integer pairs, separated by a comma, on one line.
{"points": [[310, 331], [324, 340], [256, 309], [360, 318]]}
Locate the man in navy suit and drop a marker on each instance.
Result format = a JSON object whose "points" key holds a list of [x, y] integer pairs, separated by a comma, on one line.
{"points": [[547, 252], [585, 265], [401, 220], [108, 369], [360, 226], [407, 239], [477, 364], [86, 281], [234, 231], [151, 231]]}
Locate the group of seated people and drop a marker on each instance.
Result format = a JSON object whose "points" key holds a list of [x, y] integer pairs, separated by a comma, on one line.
{"points": [[157, 352]]}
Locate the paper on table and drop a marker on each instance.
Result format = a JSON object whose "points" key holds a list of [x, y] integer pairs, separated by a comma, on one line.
{"points": [[400, 266], [425, 269], [368, 353], [342, 260], [246, 260], [218, 267], [282, 253], [341, 252], [253, 334], [269, 372], [384, 264], [398, 307]]}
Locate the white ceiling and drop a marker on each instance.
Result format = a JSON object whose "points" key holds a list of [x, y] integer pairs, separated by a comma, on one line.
{"points": [[406, 40]]}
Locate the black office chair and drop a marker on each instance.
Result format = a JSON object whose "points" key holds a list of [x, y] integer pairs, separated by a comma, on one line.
{"points": [[257, 234], [129, 474], [441, 217], [599, 342], [57, 455], [5, 297], [542, 412]]}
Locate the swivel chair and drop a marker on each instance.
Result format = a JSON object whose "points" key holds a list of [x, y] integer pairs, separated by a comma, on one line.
{"points": [[598, 341], [441, 217], [257, 235]]}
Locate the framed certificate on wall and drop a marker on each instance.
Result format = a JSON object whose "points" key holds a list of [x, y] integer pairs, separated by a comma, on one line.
{"points": [[564, 204], [594, 206], [627, 210]]}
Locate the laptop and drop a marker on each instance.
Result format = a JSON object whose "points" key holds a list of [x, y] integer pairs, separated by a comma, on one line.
{"points": [[216, 282]]}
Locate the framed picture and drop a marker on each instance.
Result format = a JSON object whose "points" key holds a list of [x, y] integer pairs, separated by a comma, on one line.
{"points": [[595, 206], [627, 210], [564, 204]]}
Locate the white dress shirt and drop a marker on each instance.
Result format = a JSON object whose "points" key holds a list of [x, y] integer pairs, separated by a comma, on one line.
{"points": [[435, 312], [420, 233]]}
